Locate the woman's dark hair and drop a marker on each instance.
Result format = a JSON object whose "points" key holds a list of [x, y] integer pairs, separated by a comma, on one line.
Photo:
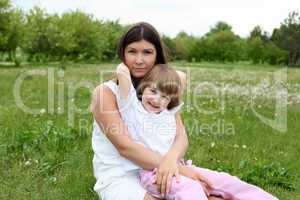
{"points": [[143, 31]]}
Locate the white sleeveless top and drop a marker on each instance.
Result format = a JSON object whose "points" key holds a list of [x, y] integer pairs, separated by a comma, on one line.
{"points": [[155, 131]]}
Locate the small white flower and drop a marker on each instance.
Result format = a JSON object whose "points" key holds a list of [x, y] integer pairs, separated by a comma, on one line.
{"points": [[42, 111], [236, 146], [244, 146], [212, 144], [53, 179], [28, 163]]}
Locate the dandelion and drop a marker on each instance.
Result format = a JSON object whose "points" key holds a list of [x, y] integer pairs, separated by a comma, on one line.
{"points": [[42, 111], [28, 162], [236, 146], [53, 179], [212, 144], [244, 146]]}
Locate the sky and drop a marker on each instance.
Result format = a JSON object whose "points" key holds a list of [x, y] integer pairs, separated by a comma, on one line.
{"points": [[169, 17]]}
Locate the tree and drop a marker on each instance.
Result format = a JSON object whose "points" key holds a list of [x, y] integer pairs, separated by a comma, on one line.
{"points": [[219, 27], [185, 45], [170, 47], [287, 37], [36, 42], [256, 50], [259, 32], [221, 46], [5, 9]]}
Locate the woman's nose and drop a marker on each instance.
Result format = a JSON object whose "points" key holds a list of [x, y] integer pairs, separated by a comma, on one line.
{"points": [[139, 59]]}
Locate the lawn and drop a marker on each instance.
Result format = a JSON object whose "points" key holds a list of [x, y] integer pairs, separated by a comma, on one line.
{"points": [[240, 118]]}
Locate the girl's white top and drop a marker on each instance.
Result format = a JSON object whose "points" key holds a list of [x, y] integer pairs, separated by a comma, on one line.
{"points": [[154, 131]]}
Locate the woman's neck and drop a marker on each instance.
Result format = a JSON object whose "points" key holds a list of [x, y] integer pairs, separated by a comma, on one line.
{"points": [[135, 82]]}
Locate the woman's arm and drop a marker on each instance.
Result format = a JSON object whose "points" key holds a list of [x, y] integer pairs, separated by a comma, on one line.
{"points": [[106, 114]]}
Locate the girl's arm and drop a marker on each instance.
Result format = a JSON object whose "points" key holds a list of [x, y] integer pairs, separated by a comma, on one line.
{"points": [[124, 80]]}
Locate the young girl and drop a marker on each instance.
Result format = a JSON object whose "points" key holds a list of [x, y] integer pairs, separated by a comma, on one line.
{"points": [[149, 115]]}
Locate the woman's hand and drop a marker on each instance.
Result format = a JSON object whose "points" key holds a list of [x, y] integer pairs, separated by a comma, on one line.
{"points": [[167, 168], [190, 173]]}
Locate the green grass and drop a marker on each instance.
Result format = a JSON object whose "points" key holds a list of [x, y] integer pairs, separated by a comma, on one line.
{"points": [[42, 157]]}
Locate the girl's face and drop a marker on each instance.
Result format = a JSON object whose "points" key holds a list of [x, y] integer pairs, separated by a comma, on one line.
{"points": [[140, 57], [155, 101]]}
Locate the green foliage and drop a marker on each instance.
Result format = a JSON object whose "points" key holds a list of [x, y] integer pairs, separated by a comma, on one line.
{"points": [[170, 47], [221, 46], [256, 50], [287, 37], [4, 23], [77, 36], [184, 46], [219, 27]]}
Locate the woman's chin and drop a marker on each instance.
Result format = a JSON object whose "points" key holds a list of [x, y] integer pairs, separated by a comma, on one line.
{"points": [[138, 75]]}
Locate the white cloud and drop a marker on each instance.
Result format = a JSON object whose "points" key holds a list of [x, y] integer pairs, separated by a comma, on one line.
{"points": [[171, 16]]}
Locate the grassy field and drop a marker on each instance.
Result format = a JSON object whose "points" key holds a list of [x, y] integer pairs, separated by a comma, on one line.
{"points": [[234, 116]]}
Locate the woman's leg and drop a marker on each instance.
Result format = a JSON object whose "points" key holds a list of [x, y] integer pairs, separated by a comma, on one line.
{"points": [[215, 198], [149, 197], [126, 187]]}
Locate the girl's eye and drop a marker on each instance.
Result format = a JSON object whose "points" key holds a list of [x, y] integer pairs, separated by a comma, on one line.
{"points": [[166, 97], [153, 90]]}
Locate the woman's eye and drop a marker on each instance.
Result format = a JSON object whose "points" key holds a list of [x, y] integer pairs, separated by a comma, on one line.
{"points": [[147, 52], [131, 51]]}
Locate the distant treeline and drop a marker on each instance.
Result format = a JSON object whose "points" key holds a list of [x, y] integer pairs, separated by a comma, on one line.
{"points": [[37, 36]]}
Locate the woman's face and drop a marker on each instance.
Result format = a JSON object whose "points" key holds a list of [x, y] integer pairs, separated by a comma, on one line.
{"points": [[140, 57]]}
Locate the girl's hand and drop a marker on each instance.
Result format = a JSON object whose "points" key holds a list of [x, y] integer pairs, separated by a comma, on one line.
{"points": [[122, 69], [190, 173], [167, 168]]}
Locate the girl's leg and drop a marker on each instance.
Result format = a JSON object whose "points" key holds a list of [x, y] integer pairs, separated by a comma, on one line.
{"points": [[237, 188], [186, 189]]}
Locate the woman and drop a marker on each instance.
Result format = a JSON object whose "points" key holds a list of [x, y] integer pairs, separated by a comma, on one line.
{"points": [[140, 49], [117, 158]]}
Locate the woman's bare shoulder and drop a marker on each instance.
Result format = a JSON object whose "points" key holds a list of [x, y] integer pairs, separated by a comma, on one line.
{"points": [[102, 95], [182, 76]]}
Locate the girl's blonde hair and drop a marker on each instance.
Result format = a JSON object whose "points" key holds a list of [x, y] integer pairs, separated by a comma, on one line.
{"points": [[166, 80]]}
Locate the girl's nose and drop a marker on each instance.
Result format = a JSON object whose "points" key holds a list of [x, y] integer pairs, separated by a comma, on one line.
{"points": [[156, 100]]}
